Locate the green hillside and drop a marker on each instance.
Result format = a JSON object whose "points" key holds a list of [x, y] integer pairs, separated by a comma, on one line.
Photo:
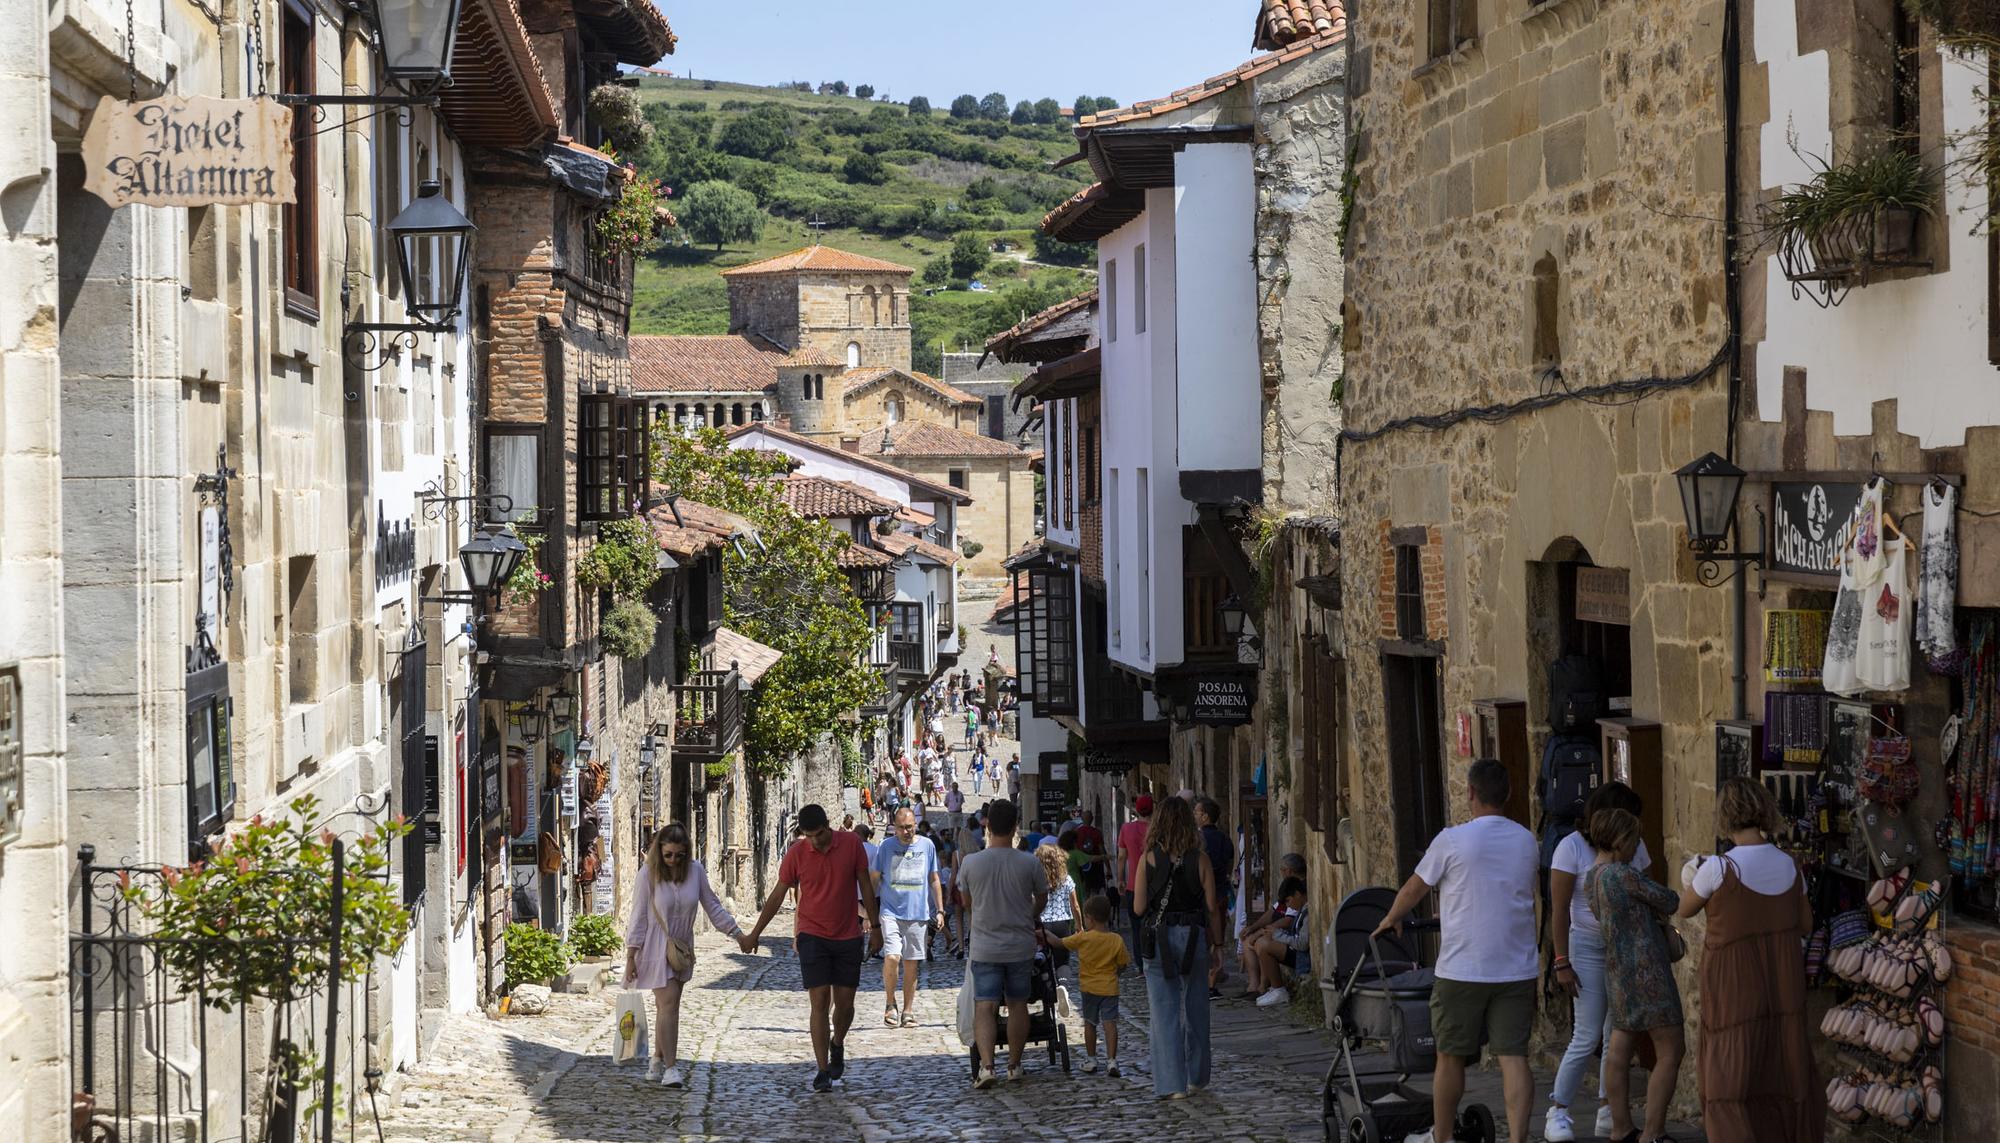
{"points": [[865, 176]]}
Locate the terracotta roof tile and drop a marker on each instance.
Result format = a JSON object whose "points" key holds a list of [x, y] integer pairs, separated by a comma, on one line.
{"points": [[924, 439], [707, 363], [904, 544], [1027, 325], [834, 452], [819, 258], [699, 528], [1098, 209], [1216, 85], [750, 657], [860, 557], [909, 515], [1284, 22], [862, 379], [818, 498]]}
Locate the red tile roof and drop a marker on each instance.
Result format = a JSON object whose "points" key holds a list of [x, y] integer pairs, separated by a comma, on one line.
{"points": [[818, 498], [834, 452], [698, 530], [1027, 325], [1093, 212], [750, 658], [860, 557], [1282, 22], [707, 363], [863, 379], [819, 258], [1216, 85], [904, 544], [924, 439]]}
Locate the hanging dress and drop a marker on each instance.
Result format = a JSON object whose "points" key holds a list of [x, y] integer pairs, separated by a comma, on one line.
{"points": [[1863, 567], [1882, 655], [1758, 1082], [1937, 578]]}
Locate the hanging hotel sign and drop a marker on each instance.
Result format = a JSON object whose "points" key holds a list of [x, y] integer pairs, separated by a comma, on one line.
{"points": [[1806, 521], [1223, 700], [189, 150], [1604, 595]]}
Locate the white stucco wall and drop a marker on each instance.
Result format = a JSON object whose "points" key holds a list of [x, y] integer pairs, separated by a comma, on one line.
{"points": [[1920, 340], [1059, 472], [1215, 282]]}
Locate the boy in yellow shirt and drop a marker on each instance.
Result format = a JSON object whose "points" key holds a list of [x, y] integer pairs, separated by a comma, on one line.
{"points": [[1100, 954]]}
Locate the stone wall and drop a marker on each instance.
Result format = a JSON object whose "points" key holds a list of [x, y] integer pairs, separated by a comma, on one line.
{"points": [[1585, 140], [1972, 1044], [835, 309], [1001, 516], [766, 305]]}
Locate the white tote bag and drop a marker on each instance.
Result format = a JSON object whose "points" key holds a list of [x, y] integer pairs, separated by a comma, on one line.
{"points": [[968, 1015], [628, 1028]]}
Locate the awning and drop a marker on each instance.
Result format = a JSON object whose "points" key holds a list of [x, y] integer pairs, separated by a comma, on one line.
{"points": [[750, 658], [1077, 375]]}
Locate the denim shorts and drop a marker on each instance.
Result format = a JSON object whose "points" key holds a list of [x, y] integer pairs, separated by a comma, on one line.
{"points": [[993, 981], [1097, 1010]]}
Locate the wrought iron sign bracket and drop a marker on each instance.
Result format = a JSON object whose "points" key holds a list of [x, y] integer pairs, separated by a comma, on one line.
{"points": [[437, 499], [1708, 562]]}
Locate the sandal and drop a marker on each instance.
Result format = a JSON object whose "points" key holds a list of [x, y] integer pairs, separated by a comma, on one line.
{"points": [[889, 1016], [909, 1021]]}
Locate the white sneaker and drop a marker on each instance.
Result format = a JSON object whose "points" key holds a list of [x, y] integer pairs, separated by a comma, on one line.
{"points": [[672, 1077], [1090, 1065], [1273, 997], [1013, 1075], [1557, 1126], [1604, 1120], [652, 1069], [983, 1078], [1112, 1071]]}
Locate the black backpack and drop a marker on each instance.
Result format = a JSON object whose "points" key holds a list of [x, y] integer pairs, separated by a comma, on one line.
{"points": [[1576, 694], [1572, 766]]}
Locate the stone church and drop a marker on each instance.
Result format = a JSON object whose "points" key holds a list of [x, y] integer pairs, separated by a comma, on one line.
{"points": [[819, 343]]}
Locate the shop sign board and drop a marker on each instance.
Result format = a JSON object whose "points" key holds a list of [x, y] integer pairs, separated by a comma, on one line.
{"points": [[189, 150], [1050, 801], [1604, 595], [1224, 699], [1807, 518], [1106, 762]]}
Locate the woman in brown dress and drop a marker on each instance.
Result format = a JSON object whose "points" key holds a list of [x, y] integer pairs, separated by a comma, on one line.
{"points": [[1758, 1083]]}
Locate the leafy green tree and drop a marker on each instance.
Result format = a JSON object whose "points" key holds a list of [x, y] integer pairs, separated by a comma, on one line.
{"points": [[965, 107], [717, 212], [968, 255], [760, 179], [864, 91], [1056, 252], [1084, 105], [839, 86], [865, 168], [937, 272], [1047, 111], [1024, 114], [920, 107], [762, 134], [994, 106], [784, 591], [1106, 103]]}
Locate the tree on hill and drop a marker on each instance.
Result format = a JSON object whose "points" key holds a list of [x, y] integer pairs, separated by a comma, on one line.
{"points": [[1024, 113], [968, 255], [994, 106], [864, 91], [862, 167], [764, 133], [1047, 111], [920, 108], [1084, 105], [718, 212], [1106, 103], [965, 107], [1056, 252], [937, 272]]}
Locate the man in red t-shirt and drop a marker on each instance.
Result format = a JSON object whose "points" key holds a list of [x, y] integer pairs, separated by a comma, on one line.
{"points": [[1131, 847], [826, 866]]}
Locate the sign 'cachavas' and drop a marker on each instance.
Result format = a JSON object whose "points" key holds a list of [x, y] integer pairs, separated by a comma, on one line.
{"points": [[189, 151]]}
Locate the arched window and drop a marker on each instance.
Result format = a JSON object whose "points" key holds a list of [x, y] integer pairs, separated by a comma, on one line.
{"points": [[1545, 311], [892, 408], [736, 413], [874, 306], [806, 386], [819, 386], [680, 414], [854, 355], [756, 411]]}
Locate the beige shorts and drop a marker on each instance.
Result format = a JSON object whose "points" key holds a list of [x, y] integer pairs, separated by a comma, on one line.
{"points": [[904, 940]]}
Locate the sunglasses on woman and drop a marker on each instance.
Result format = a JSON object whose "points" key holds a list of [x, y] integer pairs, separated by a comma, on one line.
{"points": [[673, 855]]}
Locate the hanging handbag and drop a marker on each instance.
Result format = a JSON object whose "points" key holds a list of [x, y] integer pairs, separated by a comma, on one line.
{"points": [[551, 854], [680, 953], [1677, 946], [1149, 921], [1888, 774]]}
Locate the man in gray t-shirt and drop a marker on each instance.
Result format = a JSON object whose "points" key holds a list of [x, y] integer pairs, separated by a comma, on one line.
{"points": [[1004, 888]]}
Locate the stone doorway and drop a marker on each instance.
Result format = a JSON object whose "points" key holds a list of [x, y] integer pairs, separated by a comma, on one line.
{"points": [[1555, 629]]}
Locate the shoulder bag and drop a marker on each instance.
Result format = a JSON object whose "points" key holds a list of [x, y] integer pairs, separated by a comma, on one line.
{"points": [[680, 953]]}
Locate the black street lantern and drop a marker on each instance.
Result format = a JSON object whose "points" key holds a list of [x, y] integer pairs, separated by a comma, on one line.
{"points": [[489, 558], [1232, 613], [1709, 487], [433, 244], [417, 38]]}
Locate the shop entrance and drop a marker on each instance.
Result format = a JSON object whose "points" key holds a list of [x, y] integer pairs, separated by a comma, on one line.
{"points": [[1414, 706], [1573, 612]]}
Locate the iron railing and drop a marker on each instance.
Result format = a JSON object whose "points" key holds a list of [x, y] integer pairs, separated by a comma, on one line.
{"points": [[907, 656]]}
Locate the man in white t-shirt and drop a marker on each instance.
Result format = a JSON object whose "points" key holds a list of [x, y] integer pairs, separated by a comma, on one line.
{"points": [[1484, 872]]}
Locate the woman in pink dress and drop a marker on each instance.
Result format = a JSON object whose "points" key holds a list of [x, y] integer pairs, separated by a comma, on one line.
{"points": [[671, 884]]}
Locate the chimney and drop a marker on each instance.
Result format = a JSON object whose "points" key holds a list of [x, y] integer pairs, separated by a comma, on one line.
{"points": [[850, 444]]}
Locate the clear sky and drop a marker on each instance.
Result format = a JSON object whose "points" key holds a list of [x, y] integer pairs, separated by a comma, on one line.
{"points": [[1025, 49]]}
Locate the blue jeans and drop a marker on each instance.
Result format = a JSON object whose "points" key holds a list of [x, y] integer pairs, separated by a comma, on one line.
{"points": [[1179, 1007], [1593, 1017]]}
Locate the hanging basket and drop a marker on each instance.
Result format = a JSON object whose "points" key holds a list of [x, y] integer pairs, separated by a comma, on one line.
{"points": [[1828, 261]]}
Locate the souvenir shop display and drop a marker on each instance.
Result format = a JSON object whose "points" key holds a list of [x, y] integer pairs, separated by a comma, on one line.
{"points": [[1868, 641], [1937, 579], [1972, 778], [1795, 644]]}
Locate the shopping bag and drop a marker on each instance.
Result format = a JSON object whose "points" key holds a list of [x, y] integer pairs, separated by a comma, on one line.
{"points": [[968, 1012], [628, 1033]]}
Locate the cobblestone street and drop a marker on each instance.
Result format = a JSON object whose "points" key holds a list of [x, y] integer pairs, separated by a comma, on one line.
{"points": [[527, 1079]]}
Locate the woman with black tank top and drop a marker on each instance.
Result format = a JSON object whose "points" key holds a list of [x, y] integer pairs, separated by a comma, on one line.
{"points": [[1181, 920]]}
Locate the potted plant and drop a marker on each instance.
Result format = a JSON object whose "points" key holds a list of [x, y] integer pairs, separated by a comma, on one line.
{"points": [[255, 923], [534, 957], [718, 772], [1852, 216], [1959, 20]]}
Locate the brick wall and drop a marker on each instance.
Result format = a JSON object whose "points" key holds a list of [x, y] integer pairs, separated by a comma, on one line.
{"points": [[1972, 1044], [1430, 560]]}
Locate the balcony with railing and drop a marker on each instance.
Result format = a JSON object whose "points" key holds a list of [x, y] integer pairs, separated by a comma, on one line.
{"points": [[908, 657], [708, 720], [1202, 618], [909, 648]]}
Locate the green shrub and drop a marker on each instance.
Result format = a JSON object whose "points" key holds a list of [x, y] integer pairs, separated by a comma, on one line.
{"points": [[629, 629], [534, 956], [717, 769], [595, 934]]}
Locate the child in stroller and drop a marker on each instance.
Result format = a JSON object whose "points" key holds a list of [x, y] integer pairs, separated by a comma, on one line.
{"points": [[1044, 1023], [1384, 1002]]}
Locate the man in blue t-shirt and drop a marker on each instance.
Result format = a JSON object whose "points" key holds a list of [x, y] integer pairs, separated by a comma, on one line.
{"points": [[906, 882]]}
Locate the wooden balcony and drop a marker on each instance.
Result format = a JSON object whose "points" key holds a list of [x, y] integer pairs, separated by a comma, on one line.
{"points": [[708, 721], [1202, 618], [908, 657]]}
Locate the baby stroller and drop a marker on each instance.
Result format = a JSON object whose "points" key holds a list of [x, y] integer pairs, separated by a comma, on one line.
{"points": [[1385, 993], [1044, 1026]]}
